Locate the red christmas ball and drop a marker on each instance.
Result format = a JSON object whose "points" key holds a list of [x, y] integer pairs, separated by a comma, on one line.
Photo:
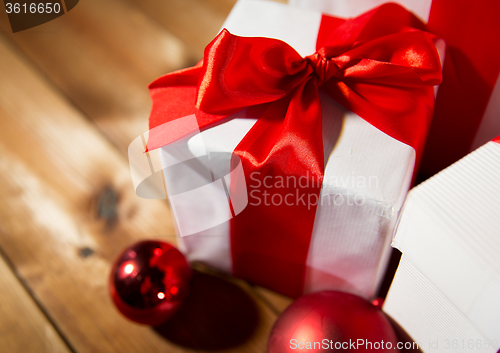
{"points": [[332, 321], [148, 282]]}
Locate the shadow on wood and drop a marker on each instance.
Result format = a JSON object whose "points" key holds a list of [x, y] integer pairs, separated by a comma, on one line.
{"points": [[215, 315]]}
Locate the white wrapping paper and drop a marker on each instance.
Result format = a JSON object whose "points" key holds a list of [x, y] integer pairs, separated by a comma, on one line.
{"points": [[446, 292]]}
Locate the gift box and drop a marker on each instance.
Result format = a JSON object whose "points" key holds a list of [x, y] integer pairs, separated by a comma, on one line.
{"points": [[467, 107], [446, 289], [285, 186]]}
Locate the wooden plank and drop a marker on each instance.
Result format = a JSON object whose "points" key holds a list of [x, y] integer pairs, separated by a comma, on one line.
{"points": [[55, 170], [23, 326], [222, 7], [277, 302], [194, 22], [102, 55]]}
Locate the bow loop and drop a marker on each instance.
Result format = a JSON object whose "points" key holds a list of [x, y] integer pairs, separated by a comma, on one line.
{"points": [[239, 72]]}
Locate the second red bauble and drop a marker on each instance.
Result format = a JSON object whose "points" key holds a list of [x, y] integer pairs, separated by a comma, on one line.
{"points": [[332, 321]]}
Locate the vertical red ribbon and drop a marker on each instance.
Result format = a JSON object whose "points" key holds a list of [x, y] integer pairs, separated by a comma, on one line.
{"points": [[471, 68], [270, 237]]}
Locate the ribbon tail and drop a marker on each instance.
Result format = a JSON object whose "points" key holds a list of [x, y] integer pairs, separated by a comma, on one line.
{"points": [[174, 97], [282, 158]]}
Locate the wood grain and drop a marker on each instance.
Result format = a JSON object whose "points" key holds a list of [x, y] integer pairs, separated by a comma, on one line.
{"points": [[194, 22], [102, 56], [54, 170], [23, 326]]}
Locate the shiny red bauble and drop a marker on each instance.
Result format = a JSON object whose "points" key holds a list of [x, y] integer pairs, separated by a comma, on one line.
{"points": [[333, 322], [148, 282]]}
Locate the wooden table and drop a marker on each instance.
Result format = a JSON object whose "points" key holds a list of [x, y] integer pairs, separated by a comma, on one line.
{"points": [[73, 95]]}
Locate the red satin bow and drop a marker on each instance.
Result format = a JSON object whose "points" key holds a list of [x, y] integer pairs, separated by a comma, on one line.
{"points": [[380, 65]]}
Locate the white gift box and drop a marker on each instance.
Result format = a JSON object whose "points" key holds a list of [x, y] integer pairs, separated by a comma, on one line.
{"points": [[367, 176], [446, 292]]}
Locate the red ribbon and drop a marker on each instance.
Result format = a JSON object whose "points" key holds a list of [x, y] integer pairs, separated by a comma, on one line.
{"points": [[471, 69], [381, 65]]}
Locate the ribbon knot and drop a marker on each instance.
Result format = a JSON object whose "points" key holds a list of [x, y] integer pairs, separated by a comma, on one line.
{"points": [[324, 67]]}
